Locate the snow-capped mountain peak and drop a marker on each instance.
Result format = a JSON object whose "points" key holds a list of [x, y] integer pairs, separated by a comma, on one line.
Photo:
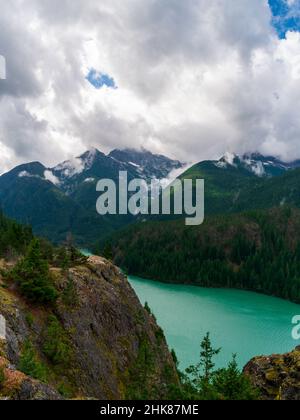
{"points": [[75, 166], [229, 159], [257, 164], [88, 158], [147, 164]]}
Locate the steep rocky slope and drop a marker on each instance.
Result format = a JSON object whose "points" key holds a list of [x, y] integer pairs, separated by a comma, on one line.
{"points": [[277, 376], [15, 385], [97, 342]]}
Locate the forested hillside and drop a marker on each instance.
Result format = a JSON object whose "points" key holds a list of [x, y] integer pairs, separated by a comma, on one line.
{"points": [[258, 250], [14, 238]]}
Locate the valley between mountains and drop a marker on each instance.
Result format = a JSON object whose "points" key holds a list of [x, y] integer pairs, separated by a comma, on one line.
{"points": [[60, 308]]}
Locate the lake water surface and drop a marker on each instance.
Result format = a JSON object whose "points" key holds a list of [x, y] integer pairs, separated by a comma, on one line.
{"points": [[240, 322], [244, 323]]}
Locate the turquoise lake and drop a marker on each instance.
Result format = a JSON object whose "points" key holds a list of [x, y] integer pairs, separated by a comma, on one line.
{"points": [[244, 323]]}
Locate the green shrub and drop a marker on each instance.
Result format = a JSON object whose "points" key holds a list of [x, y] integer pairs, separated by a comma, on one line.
{"points": [[2, 376], [69, 256], [65, 390], [148, 309], [29, 363], [233, 385], [29, 319], [69, 295], [57, 346]]}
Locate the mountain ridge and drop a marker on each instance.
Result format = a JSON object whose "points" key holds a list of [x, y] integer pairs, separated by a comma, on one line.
{"points": [[260, 165], [62, 199]]}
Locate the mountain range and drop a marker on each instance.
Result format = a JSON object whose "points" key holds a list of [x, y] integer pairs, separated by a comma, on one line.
{"points": [[61, 200], [257, 164], [253, 181]]}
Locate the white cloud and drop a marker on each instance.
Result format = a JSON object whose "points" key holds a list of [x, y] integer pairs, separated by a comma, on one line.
{"points": [[195, 78], [49, 176]]}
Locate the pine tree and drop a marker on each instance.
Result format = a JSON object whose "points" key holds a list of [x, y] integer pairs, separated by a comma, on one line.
{"points": [[233, 385], [108, 252], [33, 276], [202, 373]]}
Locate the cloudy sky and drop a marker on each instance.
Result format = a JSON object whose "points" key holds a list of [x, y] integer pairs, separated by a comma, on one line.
{"points": [[188, 78]]}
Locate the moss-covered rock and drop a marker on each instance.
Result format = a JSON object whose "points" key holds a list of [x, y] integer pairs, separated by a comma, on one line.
{"points": [[277, 376]]}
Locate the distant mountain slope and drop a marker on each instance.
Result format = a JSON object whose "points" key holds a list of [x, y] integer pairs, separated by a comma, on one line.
{"points": [[257, 164], [233, 185], [59, 200], [26, 196], [222, 185], [14, 238], [272, 192]]}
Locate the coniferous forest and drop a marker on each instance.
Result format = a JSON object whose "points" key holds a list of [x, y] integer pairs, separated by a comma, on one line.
{"points": [[14, 238], [257, 251]]}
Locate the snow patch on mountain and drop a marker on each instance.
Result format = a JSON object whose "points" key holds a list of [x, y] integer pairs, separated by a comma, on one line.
{"points": [[26, 174], [257, 164], [256, 167], [230, 158], [134, 164]]}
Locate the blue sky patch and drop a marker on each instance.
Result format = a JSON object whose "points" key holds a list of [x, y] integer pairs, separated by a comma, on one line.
{"points": [[100, 80], [286, 16]]}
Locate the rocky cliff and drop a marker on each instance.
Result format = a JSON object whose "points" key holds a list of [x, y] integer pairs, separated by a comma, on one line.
{"points": [[277, 377], [97, 341]]}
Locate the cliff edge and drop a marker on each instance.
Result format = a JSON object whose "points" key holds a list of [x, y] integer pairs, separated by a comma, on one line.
{"points": [[96, 342]]}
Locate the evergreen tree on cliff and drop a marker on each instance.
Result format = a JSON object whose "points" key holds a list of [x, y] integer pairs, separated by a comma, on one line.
{"points": [[33, 276]]}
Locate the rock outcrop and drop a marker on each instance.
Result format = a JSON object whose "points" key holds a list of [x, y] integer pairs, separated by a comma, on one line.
{"points": [[97, 342], [15, 385], [277, 377]]}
